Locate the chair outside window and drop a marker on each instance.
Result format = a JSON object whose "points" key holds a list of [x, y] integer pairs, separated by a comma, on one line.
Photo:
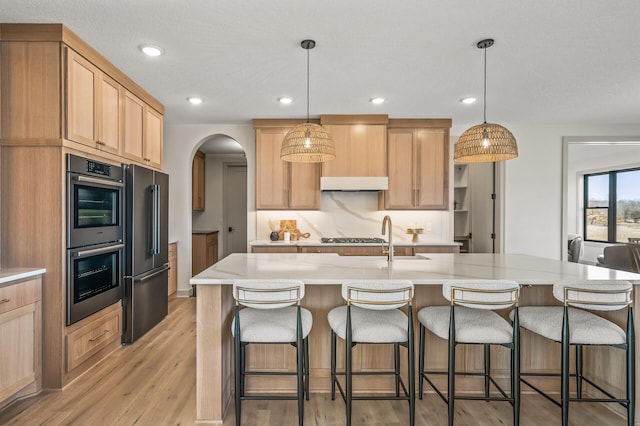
{"points": [[574, 325], [271, 313], [372, 315], [470, 320]]}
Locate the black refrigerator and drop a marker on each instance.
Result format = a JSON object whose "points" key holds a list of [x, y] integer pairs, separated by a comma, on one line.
{"points": [[146, 271]]}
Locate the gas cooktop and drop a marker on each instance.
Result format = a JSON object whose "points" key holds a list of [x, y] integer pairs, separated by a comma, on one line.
{"points": [[352, 240]]}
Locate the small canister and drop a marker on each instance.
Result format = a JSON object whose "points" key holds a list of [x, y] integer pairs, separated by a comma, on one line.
{"points": [[286, 236]]}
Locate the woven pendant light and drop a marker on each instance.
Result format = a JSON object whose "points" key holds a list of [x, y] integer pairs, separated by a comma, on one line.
{"points": [[486, 142], [307, 142]]}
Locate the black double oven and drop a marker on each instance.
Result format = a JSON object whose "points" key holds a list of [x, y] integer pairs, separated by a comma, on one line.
{"points": [[95, 246]]}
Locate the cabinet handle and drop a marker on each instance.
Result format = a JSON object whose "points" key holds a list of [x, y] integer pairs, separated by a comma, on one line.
{"points": [[104, 333], [417, 197], [4, 301]]}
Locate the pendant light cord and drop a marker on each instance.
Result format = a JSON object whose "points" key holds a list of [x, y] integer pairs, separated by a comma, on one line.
{"points": [[308, 85], [484, 113]]}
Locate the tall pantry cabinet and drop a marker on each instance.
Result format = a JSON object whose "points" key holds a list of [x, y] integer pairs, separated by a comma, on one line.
{"points": [[60, 96]]}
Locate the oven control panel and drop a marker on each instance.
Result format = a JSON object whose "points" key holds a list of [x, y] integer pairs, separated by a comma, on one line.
{"points": [[98, 168]]}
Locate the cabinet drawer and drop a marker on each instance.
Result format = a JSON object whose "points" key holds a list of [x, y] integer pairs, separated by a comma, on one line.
{"points": [[91, 338], [17, 295]]}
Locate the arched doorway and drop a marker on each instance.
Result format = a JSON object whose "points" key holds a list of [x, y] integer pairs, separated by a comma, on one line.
{"points": [[224, 191]]}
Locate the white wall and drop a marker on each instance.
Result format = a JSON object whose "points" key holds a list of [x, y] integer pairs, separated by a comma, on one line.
{"points": [[533, 185], [180, 144]]}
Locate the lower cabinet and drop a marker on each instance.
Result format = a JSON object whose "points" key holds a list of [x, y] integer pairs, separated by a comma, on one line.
{"points": [[173, 268], [20, 340], [95, 336], [204, 251], [281, 249]]}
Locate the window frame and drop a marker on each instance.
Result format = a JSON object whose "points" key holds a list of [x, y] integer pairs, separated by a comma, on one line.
{"points": [[612, 206]]}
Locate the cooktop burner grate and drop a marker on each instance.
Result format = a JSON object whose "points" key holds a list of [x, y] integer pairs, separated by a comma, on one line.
{"points": [[352, 240]]}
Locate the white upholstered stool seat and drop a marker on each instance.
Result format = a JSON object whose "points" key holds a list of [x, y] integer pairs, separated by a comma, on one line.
{"points": [[371, 326], [372, 315], [585, 328], [272, 325], [472, 325]]}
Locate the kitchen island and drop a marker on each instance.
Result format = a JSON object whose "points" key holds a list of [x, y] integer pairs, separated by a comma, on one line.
{"points": [[323, 274]]}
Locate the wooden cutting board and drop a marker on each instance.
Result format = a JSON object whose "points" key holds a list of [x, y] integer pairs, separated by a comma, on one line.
{"points": [[287, 225]]}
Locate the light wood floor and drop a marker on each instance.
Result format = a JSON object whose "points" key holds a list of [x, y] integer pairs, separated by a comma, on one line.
{"points": [[152, 382]]}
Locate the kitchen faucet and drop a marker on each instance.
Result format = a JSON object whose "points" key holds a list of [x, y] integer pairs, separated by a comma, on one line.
{"points": [[389, 250]]}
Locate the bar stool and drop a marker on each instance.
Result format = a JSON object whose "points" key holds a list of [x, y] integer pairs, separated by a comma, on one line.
{"points": [[372, 315], [470, 320], [579, 327], [269, 316], [634, 253]]}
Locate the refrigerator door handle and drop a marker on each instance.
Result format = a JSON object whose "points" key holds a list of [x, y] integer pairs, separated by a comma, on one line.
{"points": [[148, 277], [155, 219], [157, 208]]}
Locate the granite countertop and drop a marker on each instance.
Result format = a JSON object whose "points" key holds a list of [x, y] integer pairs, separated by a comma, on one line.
{"points": [[423, 269], [7, 275], [309, 242]]}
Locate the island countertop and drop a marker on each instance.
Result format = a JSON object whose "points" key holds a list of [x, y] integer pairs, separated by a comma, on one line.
{"points": [[312, 243], [422, 269]]}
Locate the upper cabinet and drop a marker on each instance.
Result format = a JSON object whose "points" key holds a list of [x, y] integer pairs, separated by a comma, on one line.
{"points": [[281, 185], [58, 91], [418, 165], [141, 132], [361, 145], [93, 105]]}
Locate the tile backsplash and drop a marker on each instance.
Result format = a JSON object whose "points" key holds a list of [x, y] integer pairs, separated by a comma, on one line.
{"points": [[356, 214]]}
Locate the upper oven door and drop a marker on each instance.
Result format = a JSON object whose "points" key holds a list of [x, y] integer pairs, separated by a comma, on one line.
{"points": [[94, 212]]}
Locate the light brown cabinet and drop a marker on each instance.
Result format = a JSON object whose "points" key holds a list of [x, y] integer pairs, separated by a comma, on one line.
{"points": [[356, 250], [418, 165], [198, 181], [361, 145], [79, 100], [173, 268], [93, 105], [20, 334], [204, 251], [281, 185], [152, 142], [87, 338]]}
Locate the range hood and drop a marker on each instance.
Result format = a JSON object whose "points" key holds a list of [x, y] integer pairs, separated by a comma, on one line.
{"points": [[355, 183]]}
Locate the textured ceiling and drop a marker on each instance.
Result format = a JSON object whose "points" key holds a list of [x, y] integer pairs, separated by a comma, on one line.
{"points": [[553, 62]]}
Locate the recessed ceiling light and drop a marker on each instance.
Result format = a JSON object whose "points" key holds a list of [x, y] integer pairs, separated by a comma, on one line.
{"points": [[285, 101], [151, 50], [468, 100], [377, 101], [195, 101]]}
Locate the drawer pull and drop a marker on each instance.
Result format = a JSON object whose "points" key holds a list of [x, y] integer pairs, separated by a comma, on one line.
{"points": [[4, 301], [104, 333]]}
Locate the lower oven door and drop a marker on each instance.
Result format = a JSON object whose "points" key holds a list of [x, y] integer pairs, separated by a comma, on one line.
{"points": [[94, 279]]}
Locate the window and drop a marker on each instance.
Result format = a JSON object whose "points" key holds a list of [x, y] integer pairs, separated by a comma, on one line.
{"points": [[612, 206]]}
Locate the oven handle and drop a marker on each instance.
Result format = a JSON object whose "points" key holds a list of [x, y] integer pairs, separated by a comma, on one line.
{"points": [[95, 251], [98, 181], [148, 277]]}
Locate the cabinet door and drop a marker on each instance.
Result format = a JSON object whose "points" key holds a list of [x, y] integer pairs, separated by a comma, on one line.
{"points": [[432, 169], [272, 174], [18, 359], [360, 150], [212, 249], [198, 182], [304, 184], [108, 113], [132, 121], [173, 269], [82, 79], [152, 145], [401, 193]]}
